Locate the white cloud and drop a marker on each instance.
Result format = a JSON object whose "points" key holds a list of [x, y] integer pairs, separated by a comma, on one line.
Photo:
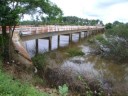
{"points": [[106, 10]]}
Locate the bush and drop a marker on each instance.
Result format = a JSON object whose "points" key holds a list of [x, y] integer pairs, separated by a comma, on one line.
{"points": [[116, 40], [10, 87], [39, 61], [75, 52]]}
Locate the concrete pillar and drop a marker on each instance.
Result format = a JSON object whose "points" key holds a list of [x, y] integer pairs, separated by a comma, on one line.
{"points": [[88, 33], [58, 41], [50, 43], [79, 35], [36, 46], [85, 34], [93, 32], [70, 38]]}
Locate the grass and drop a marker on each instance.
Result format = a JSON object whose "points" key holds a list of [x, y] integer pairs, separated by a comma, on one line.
{"points": [[75, 52], [10, 87]]}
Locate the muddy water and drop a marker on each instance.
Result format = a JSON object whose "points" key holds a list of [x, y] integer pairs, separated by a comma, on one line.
{"points": [[112, 76]]}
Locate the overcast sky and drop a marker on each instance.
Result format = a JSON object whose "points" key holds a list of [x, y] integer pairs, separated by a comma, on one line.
{"points": [[105, 10]]}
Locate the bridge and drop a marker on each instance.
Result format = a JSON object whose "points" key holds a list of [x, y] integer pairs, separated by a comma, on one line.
{"points": [[24, 33]]}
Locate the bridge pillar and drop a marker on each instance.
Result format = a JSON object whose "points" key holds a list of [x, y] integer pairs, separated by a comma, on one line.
{"points": [[85, 34], [50, 43], [79, 35], [58, 41], [91, 32], [88, 33], [37, 46], [70, 38]]}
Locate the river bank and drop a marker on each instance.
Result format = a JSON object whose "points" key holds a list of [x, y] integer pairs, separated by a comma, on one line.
{"points": [[76, 65], [99, 74]]}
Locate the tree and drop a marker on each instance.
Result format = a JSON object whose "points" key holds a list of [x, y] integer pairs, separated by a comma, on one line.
{"points": [[12, 10], [55, 14], [108, 26]]}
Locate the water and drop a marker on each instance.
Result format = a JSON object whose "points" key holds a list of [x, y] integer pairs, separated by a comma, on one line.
{"points": [[114, 77]]}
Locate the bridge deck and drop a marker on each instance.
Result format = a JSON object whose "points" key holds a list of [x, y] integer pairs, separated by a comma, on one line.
{"points": [[29, 33]]}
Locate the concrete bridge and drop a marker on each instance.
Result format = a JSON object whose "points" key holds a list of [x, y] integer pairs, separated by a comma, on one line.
{"points": [[24, 33]]}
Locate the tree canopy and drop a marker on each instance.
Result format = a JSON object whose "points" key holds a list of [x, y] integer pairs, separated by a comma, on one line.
{"points": [[65, 20], [11, 12]]}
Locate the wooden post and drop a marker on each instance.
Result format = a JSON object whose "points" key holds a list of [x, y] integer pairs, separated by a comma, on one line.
{"points": [[37, 46], [58, 41]]}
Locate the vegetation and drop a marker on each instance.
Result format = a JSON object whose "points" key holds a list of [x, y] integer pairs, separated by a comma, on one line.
{"points": [[68, 20], [39, 61], [11, 12], [11, 87], [63, 90], [75, 52], [89, 92], [114, 43]]}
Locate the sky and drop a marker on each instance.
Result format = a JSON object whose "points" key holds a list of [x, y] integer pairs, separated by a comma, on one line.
{"points": [[105, 10]]}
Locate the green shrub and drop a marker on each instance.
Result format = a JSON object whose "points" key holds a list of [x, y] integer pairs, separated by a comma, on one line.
{"points": [[116, 40], [63, 90], [10, 87], [40, 61], [75, 52]]}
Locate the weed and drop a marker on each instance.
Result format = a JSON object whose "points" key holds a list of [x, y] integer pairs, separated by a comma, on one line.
{"points": [[63, 90]]}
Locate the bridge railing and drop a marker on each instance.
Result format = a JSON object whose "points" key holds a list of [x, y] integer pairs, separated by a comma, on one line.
{"points": [[52, 28], [28, 30]]}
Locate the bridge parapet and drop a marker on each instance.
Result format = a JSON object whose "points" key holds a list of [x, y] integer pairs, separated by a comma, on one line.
{"points": [[54, 28]]}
